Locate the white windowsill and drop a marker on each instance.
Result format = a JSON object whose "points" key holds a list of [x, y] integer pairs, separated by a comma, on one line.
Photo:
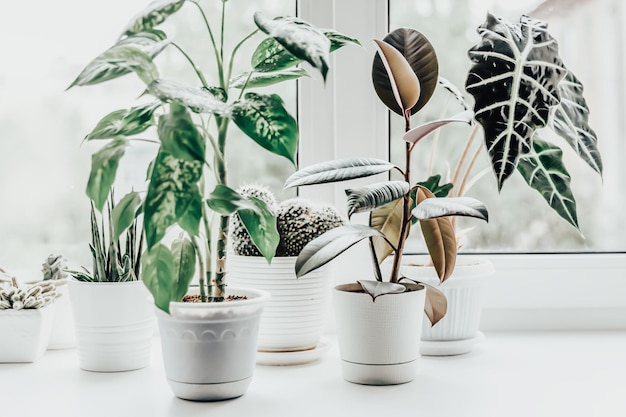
{"points": [[508, 374]]}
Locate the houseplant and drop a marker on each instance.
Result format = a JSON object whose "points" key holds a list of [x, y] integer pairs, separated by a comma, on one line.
{"points": [[26, 315], [379, 322], [187, 187], [295, 315], [112, 313]]}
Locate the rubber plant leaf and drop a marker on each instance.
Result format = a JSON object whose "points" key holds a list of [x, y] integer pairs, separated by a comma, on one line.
{"points": [[376, 195], [104, 164], [418, 133], [184, 257], [264, 79], [157, 266], [376, 288], [179, 135], [173, 185], [433, 208], [514, 80], [405, 85], [329, 245], [124, 213], [125, 122], [436, 305], [388, 221], [155, 14], [440, 240], [421, 57], [198, 100], [544, 171], [570, 119], [300, 38], [265, 120], [260, 223], [338, 170]]}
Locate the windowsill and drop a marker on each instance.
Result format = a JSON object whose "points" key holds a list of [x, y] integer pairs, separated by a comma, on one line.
{"points": [[513, 374]]}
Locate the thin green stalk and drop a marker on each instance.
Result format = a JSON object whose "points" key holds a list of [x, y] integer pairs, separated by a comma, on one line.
{"points": [[218, 58], [245, 85], [235, 50], [201, 267], [193, 65]]}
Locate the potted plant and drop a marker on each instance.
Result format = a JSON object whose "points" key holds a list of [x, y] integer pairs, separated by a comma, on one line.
{"points": [[26, 315], [379, 321], [112, 313], [295, 315], [208, 347]]}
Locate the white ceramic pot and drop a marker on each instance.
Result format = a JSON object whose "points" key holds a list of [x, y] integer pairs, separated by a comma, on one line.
{"points": [[25, 333], [114, 325], [63, 335], [379, 341], [209, 349], [295, 315]]}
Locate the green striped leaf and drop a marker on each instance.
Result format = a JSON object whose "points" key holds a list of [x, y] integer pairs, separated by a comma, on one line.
{"points": [[198, 100], [179, 135], [125, 122], [155, 14], [264, 79], [104, 164], [184, 259], [375, 195], [338, 170]]}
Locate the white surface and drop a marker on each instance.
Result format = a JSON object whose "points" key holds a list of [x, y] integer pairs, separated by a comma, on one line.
{"points": [[450, 347], [294, 358], [509, 374]]}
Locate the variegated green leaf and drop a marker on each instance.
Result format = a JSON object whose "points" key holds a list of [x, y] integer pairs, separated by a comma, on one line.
{"points": [[387, 220], [196, 99], [125, 122], [260, 223], [155, 14], [124, 213], [184, 257], [544, 171], [416, 134], [179, 135], [266, 121], [338, 170], [271, 56], [300, 38], [514, 82], [376, 288], [157, 266], [338, 40], [375, 195], [104, 165], [433, 208], [226, 201], [438, 190], [570, 119], [264, 79]]}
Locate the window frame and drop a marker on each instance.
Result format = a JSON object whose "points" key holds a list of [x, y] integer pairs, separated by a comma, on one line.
{"points": [[550, 291]]}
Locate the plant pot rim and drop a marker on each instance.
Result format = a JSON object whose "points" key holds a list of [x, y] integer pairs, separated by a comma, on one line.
{"points": [[105, 283], [259, 296], [344, 288]]}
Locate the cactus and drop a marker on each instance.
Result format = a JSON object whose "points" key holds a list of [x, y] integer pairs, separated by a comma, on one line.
{"points": [[298, 222], [54, 268], [33, 296]]}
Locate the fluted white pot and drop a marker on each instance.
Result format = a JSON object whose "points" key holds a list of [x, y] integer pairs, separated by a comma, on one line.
{"points": [[114, 325], [209, 349], [25, 333], [295, 315], [379, 341]]}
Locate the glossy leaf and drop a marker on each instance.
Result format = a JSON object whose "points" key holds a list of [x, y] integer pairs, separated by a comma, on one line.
{"points": [[179, 135], [438, 190], [454, 90], [570, 119], [198, 100], [422, 59], [157, 270], [156, 13], [264, 79], [416, 134], [338, 40], [433, 208], [261, 226], [266, 121], [375, 195], [331, 244], [405, 85], [226, 201], [104, 165], [300, 38], [376, 288], [271, 56], [184, 257], [338, 170], [514, 82], [544, 171], [436, 305], [125, 122], [388, 221], [124, 213]]}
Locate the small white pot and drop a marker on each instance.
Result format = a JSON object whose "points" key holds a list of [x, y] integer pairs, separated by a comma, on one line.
{"points": [[209, 349], [379, 341], [114, 325], [63, 334], [25, 333], [295, 315]]}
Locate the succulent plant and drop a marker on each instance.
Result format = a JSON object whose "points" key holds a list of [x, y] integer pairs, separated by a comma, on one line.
{"points": [[33, 296], [54, 268]]}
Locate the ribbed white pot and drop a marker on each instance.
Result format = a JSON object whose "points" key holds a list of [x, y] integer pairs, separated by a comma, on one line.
{"points": [[114, 325], [464, 290], [25, 333], [209, 349], [379, 341], [295, 315], [63, 335]]}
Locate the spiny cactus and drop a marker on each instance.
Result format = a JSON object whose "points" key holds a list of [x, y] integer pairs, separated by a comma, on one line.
{"points": [[298, 221], [33, 296], [54, 268]]}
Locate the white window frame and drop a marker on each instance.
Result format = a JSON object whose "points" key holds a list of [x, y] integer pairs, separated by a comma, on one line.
{"points": [[345, 118]]}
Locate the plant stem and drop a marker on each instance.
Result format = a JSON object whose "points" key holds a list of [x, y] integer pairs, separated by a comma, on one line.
{"points": [[201, 267], [218, 58], [222, 237], [235, 49], [193, 65]]}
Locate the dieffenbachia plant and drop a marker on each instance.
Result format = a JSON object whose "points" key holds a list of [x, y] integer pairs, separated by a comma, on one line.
{"points": [[405, 74], [192, 122], [521, 85]]}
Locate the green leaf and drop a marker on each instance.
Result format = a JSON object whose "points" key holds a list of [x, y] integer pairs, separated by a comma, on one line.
{"points": [[432, 183], [416, 134], [124, 213], [264, 79], [184, 257], [173, 185], [199, 100], [157, 266], [300, 38], [179, 135], [261, 226], [104, 165], [338, 170], [265, 119], [388, 221], [544, 171], [514, 77], [375, 195], [270, 56], [226, 201], [156, 13], [125, 122], [331, 244], [338, 40], [433, 208], [376, 288]]}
